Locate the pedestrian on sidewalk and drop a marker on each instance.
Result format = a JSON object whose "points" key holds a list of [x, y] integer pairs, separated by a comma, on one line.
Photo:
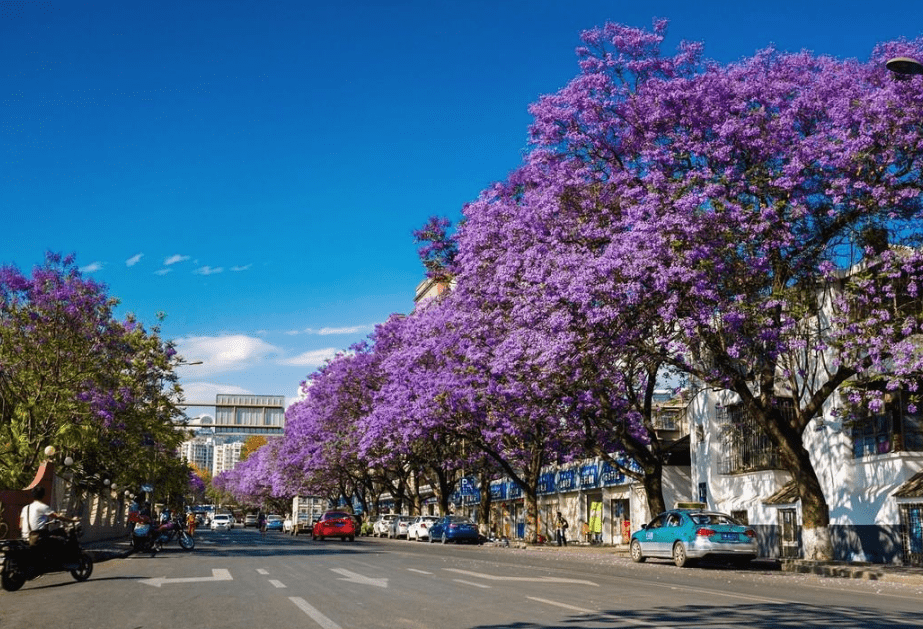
{"points": [[561, 529]]}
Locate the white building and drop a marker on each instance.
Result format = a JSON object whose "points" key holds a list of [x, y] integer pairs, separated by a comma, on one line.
{"points": [[227, 455]]}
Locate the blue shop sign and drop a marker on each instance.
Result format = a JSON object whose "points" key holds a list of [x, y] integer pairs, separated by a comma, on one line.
{"points": [[567, 480], [589, 475], [545, 483], [498, 490], [611, 475], [515, 490]]}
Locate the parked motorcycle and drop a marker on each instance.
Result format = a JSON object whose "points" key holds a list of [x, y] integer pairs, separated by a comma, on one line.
{"points": [[20, 562], [174, 528]]}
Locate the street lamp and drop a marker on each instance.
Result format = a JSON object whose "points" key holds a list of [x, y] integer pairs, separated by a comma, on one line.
{"points": [[904, 67]]}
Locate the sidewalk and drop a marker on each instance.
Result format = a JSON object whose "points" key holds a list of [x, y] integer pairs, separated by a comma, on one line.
{"points": [[834, 569]]}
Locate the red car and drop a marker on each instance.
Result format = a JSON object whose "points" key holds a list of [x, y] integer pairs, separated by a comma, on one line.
{"points": [[335, 524]]}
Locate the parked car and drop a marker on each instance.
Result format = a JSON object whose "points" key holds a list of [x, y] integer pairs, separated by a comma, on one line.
{"points": [[383, 524], [454, 528], [686, 535], [251, 520], [335, 524], [419, 528], [273, 522], [222, 522], [399, 526]]}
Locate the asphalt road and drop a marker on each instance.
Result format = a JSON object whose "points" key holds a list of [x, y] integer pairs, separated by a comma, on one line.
{"points": [[239, 580]]}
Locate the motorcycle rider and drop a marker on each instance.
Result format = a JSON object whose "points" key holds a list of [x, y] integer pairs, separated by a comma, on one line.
{"points": [[33, 522]]}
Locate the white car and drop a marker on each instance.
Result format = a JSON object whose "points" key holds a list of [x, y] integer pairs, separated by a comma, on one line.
{"points": [[419, 528], [382, 526], [222, 522]]}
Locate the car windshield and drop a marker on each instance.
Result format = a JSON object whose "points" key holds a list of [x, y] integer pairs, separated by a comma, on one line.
{"points": [[335, 515], [712, 518]]}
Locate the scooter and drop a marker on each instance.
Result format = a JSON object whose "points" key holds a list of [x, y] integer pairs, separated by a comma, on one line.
{"points": [[143, 536], [20, 562]]}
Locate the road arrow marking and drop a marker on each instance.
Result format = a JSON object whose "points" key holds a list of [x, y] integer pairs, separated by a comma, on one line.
{"points": [[493, 577], [218, 574], [353, 577]]}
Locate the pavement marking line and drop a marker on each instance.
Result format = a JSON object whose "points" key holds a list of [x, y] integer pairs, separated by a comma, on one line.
{"points": [[418, 571], [354, 577], [493, 577], [313, 613], [262, 571], [218, 574], [477, 585], [277, 584], [746, 597], [591, 611]]}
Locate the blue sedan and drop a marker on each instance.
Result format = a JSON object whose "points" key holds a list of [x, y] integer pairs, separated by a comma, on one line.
{"points": [[274, 523], [686, 535], [453, 528]]}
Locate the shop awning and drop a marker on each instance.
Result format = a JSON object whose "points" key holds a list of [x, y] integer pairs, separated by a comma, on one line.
{"points": [[785, 496], [912, 488]]}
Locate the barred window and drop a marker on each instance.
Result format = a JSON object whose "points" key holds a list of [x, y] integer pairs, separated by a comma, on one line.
{"points": [[745, 445], [894, 429]]}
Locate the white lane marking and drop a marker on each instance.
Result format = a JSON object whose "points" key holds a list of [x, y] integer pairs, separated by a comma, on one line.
{"points": [[591, 611], [218, 574], [477, 585], [354, 577], [277, 584], [314, 614], [418, 571], [262, 571], [493, 577]]}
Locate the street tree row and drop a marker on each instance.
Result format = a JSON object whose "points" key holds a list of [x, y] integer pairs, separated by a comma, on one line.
{"points": [[752, 226]]}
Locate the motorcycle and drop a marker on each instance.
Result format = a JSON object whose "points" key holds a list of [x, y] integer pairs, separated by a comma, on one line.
{"points": [[173, 528], [20, 562]]}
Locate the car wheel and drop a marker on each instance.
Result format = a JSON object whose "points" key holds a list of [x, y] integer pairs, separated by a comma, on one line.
{"points": [[352, 538], [636, 555], [679, 555], [431, 540], [445, 540]]}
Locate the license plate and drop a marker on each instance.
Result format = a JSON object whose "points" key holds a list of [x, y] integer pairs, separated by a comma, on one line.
{"points": [[729, 537]]}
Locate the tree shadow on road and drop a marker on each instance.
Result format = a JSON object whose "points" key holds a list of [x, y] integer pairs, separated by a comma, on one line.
{"points": [[762, 616]]}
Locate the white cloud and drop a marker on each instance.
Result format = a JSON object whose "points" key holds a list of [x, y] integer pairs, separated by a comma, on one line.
{"points": [[92, 267], [219, 354], [241, 268], [162, 271], [207, 270], [346, 330], [174, 259], [133, 260], [313, 358], [198, 392]]}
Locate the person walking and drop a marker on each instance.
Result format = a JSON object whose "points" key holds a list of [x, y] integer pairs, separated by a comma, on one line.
{"points": [[561, 529], [191, 523], [261, 522]]}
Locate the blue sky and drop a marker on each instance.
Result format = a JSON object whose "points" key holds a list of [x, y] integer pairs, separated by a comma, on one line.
{"points": [[255, 169]]}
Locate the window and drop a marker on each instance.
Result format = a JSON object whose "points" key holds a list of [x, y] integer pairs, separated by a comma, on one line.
{"points": [[745, 445], [894, 429]]}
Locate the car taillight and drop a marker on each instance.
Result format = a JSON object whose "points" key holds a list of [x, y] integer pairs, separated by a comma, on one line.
{"points": [[750, 533], [704, 532], [422, 525]]}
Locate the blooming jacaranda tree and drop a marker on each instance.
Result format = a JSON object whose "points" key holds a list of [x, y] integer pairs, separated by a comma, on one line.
{"points": [[725, 194]]}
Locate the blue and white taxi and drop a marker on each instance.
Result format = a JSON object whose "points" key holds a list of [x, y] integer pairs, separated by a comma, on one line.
{"points": [[687, 534]]}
